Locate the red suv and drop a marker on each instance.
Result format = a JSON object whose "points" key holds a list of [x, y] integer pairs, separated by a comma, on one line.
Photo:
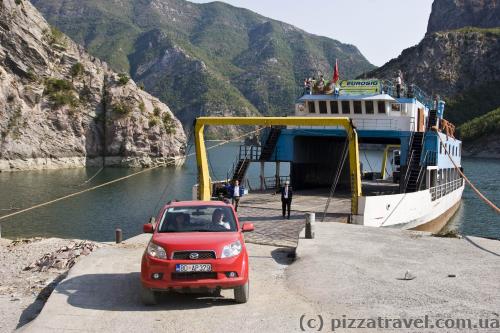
{"points": [[196, 245]]}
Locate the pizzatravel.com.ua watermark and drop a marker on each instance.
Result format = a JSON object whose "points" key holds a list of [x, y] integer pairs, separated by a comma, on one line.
{"points": [[321, 323]]}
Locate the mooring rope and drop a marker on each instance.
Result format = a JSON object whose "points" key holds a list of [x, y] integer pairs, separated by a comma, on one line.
{"points": [[120, 179], [481, 196]]}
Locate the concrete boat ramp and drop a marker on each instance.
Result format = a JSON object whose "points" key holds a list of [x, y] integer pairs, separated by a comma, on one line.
{"points": [[346, 271]]}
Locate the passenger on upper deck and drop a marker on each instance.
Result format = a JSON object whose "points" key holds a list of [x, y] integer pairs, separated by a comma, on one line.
{"points": [[319, 86], [399, 82], [307, 86]]}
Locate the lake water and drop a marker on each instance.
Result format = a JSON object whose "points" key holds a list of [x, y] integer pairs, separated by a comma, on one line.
{"points": [[128, 204]]}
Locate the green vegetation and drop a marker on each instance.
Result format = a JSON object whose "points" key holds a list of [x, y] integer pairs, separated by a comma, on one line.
{"points": [[55, 37], [481, 126], [154, 121], [77, 70], [121, 108], [168, 123], [485, 31], [473, 103], [60, 92], [142, 107], [31, 75], [157, 111], [123, 79]]}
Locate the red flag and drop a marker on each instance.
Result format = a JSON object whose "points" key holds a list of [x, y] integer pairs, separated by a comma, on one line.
{"points": [[335, 72]]}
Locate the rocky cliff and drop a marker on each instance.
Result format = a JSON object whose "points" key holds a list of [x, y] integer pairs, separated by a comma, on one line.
{"points": [[61, 107], [458, 59], [204, 59], [455, 14], [449, 62]]}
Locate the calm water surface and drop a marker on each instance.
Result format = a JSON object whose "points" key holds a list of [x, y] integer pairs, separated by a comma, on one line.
{"points": [[129, 204]]}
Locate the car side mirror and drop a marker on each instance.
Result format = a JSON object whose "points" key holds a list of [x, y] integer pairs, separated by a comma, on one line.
{"points": [[247, 227], [148, 228]]}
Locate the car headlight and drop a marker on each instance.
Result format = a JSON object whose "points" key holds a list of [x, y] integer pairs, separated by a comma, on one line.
{"points": [[231, 250], [156, 251]]}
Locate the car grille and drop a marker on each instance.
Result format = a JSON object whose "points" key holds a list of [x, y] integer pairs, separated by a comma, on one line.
{"points": [[194, 275], [184, 255]]}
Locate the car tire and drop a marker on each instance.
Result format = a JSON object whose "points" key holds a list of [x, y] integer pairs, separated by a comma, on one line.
{"points": [[148, 297], [242, 293]]}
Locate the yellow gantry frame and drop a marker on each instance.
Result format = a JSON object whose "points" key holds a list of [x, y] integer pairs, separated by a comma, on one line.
{"points": [[384, 159], [201, 152]]}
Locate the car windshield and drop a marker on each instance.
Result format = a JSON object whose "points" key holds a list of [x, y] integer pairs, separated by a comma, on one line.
{"points": [[198, 219]]}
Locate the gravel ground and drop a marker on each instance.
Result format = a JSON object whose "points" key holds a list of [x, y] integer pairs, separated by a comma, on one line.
{"points": [[29, 271]]}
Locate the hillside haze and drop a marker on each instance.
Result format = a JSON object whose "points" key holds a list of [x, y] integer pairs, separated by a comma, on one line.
{"points": [[204, 59]]}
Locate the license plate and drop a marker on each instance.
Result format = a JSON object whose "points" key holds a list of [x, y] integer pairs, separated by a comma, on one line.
{"points": [[193, 268]]}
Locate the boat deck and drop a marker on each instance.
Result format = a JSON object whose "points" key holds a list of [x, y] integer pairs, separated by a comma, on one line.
{"points": [[263, 209]]}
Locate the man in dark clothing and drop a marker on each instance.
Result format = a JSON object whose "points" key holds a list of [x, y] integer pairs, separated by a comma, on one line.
{"points": [[286, 198]]}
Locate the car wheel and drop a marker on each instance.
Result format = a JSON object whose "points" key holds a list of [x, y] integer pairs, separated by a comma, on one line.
{"points": [[242, 293], [148, 296]]}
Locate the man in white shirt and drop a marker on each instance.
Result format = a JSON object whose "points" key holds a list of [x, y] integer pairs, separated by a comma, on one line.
{"points": [[236, 195], [399, 82], [286, 198]]}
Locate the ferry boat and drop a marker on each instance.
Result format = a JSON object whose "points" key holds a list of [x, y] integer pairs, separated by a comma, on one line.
{"points": [[418, 186], [423, 188]]}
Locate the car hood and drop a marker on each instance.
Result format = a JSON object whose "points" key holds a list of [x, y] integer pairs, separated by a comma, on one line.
{"points": [[187, 241]]}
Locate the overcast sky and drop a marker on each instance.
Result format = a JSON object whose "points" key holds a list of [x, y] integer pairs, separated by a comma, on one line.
{"points": [[380, 29]]}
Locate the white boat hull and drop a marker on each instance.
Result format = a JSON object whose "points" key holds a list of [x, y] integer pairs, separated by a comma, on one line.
{"points": [[408, 210]]}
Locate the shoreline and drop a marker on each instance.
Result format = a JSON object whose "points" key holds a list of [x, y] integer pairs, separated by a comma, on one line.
{"points": [[57, 163], [31, 269]]}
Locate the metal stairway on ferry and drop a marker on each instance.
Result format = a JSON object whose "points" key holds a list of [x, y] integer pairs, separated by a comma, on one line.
{"points": [[252, 153], [414, 163]]}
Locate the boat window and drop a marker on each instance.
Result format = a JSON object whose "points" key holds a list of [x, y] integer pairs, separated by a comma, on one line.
{"points": [[369, 107], [311, 107], [380, 107], [346, 108], [440, 148], [322, 107], [396, 107], [357, 107], [334, 107]]}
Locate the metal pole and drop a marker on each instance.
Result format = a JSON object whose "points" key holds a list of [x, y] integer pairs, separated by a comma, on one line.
{"points": [[278, 182], [310, 218], [262, 176], [118, 236]]}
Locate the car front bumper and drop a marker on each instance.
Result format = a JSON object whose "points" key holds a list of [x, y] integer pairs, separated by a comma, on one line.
{"points": [[217, 279]]}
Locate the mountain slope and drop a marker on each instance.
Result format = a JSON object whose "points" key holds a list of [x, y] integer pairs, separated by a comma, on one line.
{"points": [[61, 107], [455, 14], [453, 64], [203, 59], [481, 135]]}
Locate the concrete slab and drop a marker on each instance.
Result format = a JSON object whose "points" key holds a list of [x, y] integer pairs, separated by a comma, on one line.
{"points": [[101, 294], [357, 271], [347, 271]]}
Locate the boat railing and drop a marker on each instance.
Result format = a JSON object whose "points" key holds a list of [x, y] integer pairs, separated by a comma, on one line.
{"points": [[443, 189], [410, 91], [250, 152], [406, 179], [275, 182]]}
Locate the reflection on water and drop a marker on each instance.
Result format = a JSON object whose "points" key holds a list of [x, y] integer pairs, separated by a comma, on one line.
{"points": [[128, 204]]}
